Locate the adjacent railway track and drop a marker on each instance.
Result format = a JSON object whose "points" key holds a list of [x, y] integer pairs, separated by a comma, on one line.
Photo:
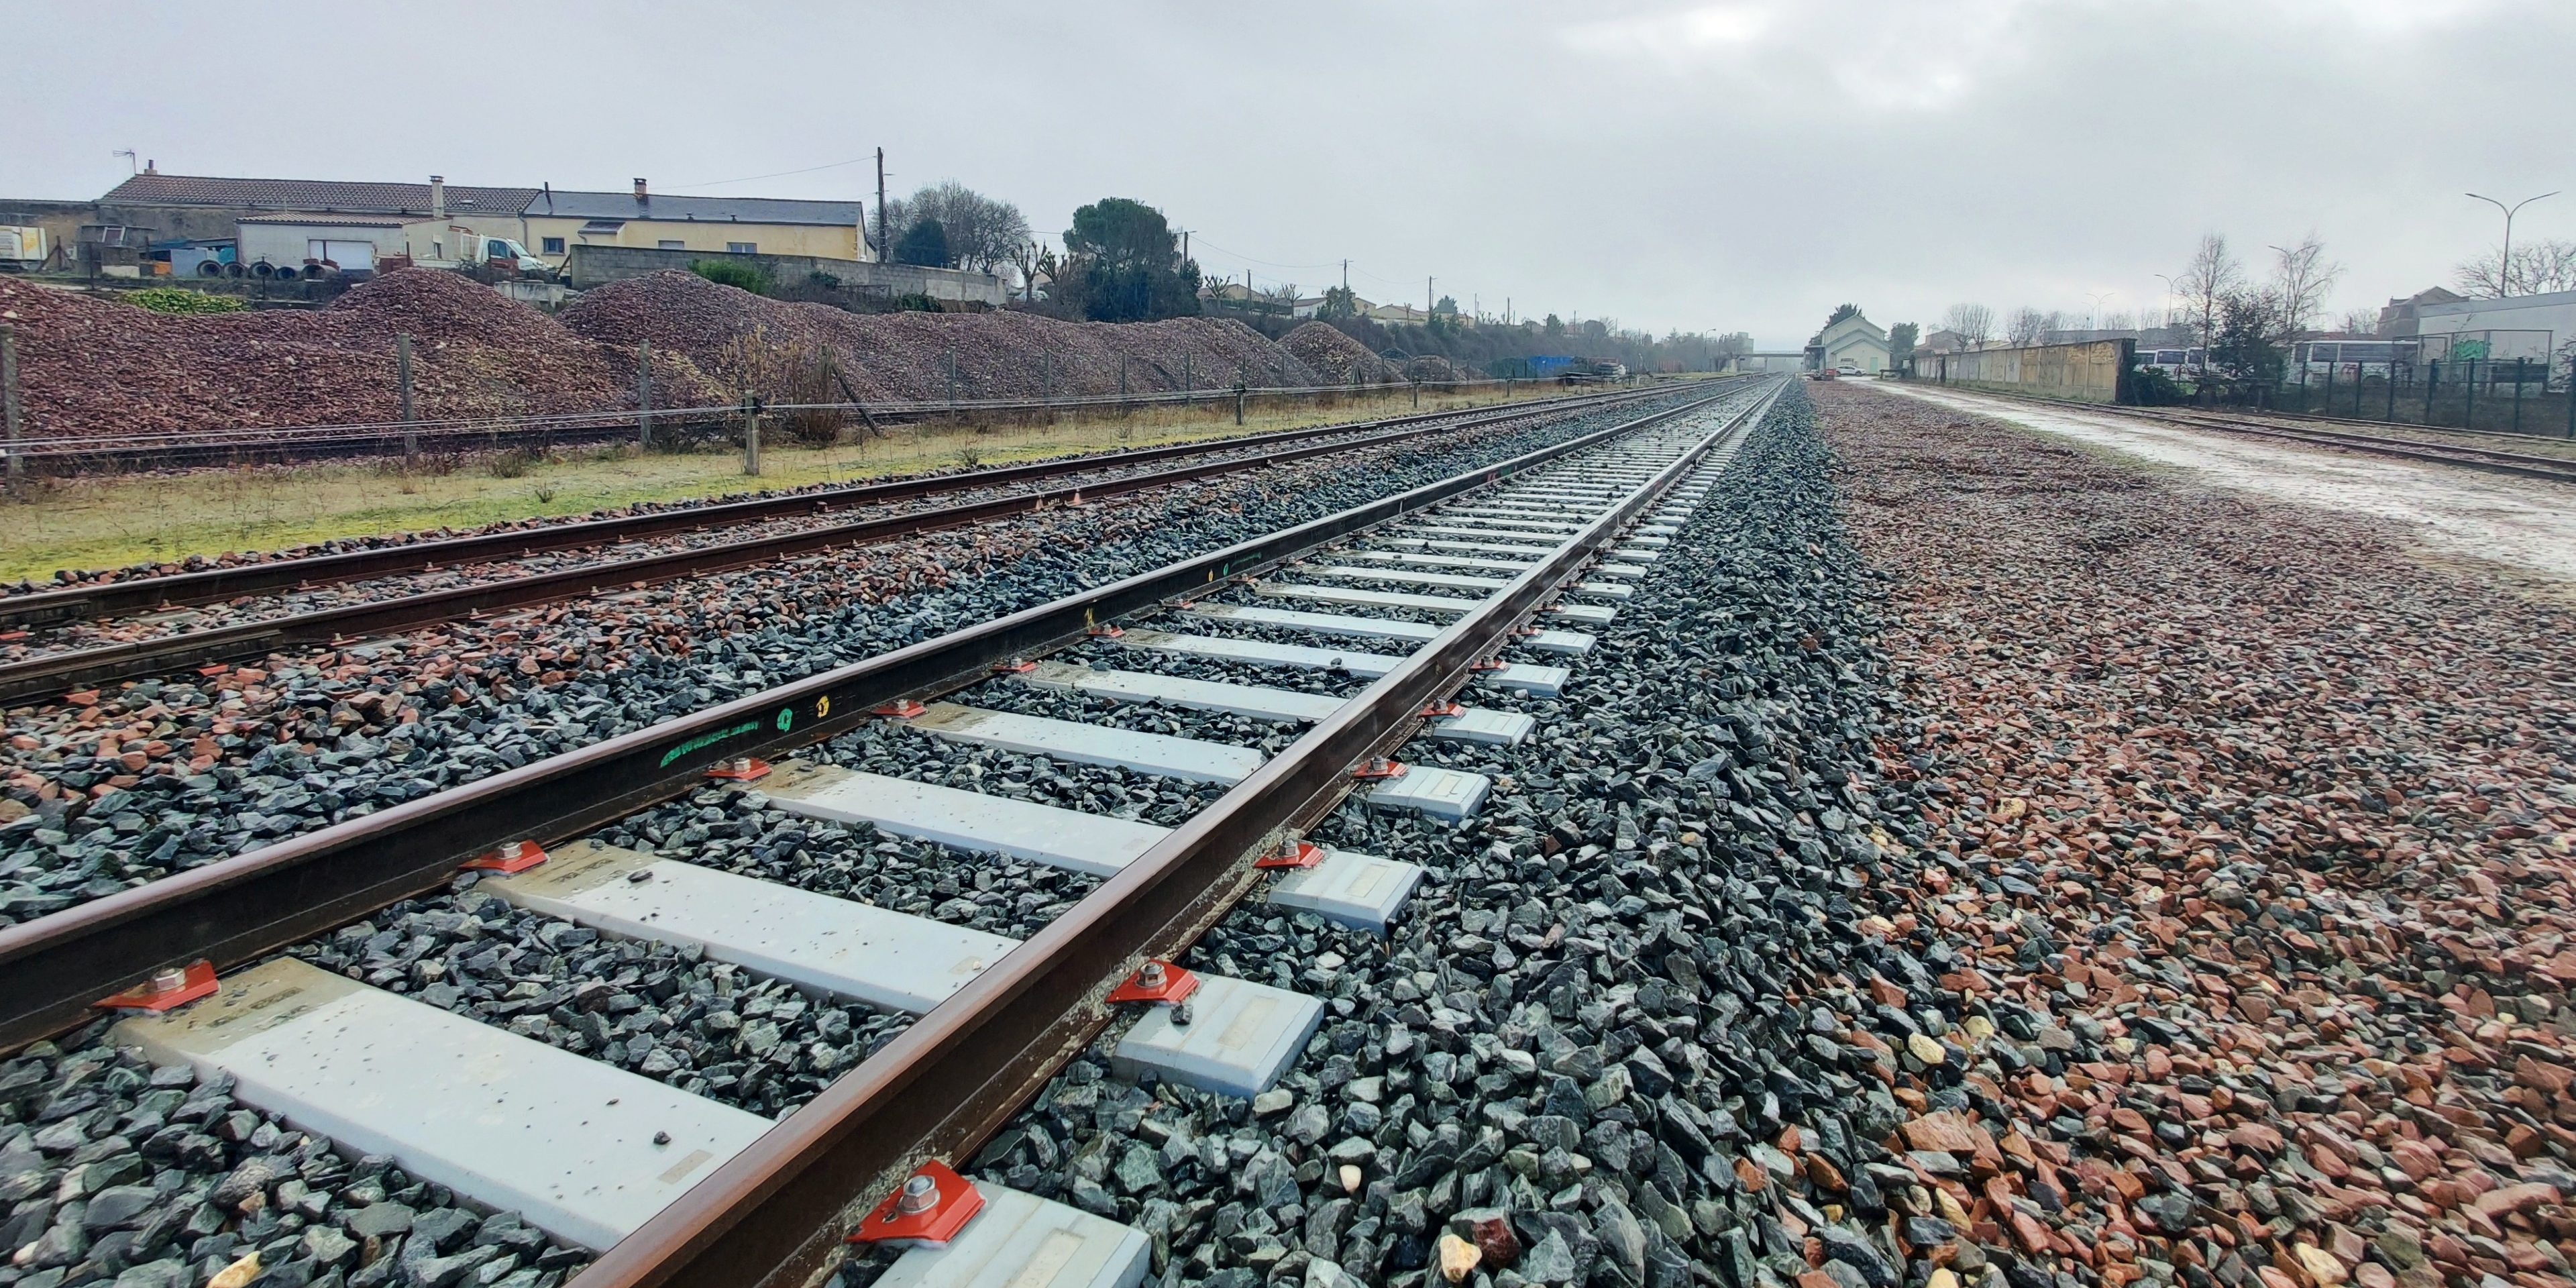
{"points": [[1094, 476], [1508, 543], [2465, 454], [2315, 431]]}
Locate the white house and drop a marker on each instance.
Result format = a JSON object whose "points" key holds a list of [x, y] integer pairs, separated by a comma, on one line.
{"points": [[1854, 342], [2521, 326]]}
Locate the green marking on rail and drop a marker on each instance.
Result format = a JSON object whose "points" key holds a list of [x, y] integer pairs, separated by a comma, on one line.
{"points": [[710, 739], [786, 717]]}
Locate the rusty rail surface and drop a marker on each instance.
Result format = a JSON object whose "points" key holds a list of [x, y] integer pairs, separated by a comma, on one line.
{"points": [[36, 677], [145, 594], [232, 911], [774, 1216]]}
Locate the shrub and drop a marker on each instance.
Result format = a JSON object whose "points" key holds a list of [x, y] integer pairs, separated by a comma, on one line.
{"points": [[184, 302], [725, 272], [2156, 387], [918, 303]]}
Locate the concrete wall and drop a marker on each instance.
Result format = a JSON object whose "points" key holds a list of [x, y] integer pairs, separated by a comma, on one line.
{"points": [[61, 220], [2096, 372], [591, 266]]}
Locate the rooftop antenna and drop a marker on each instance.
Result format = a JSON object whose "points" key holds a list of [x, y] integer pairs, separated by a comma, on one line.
{"points": [[132, 165]]}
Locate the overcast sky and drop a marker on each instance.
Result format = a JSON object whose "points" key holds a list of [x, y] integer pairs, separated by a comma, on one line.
{"points": [[1705, 167]]}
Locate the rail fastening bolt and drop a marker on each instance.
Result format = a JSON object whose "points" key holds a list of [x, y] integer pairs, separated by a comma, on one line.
{"points": [[920, 1194]]}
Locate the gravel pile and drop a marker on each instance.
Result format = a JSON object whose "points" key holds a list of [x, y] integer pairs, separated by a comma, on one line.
{"points": [[114, 1171], [114, 789], [2283, 822], [1334, 355], [908, 356], [92, 366], [1430, 368]]}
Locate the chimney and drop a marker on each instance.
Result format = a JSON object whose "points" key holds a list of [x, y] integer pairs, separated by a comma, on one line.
{"points": [[437, 196], [640, 193], [151, 166]]}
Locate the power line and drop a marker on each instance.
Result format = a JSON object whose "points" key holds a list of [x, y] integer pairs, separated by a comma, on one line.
{"points": [[781, 174], [1263, 262]]}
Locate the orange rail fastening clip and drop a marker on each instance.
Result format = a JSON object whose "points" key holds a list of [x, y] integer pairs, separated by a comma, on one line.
{"points": [[934, 1204], [741, 769], [516, 856], [169, 988], [1297, 854]]}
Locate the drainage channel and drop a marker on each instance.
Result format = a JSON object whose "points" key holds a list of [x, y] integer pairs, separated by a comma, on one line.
{"points": [[680, 1186]]}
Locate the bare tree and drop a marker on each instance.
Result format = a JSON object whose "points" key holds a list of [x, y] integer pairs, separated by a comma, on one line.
{"points": [[1284, 297], [1971, 322], [2301, 276], [2360, 322], [983, 234], [2538, 267], [2122, 320], [2025, 326], [2208, 279]]}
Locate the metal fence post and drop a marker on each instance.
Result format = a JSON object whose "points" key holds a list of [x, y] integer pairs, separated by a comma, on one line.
{"points": [[2432, 387], [2469, 407], [402, 378], [2392, 386], [751, 436], [644, 394], [2521, 368], [2303, 385]]}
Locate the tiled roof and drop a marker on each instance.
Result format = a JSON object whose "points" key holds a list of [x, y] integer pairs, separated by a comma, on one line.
{"points": [[746, 210], [313, 195]]}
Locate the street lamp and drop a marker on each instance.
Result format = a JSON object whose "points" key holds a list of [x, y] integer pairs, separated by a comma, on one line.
{"points": [[2504, 265], [2097, 297]]}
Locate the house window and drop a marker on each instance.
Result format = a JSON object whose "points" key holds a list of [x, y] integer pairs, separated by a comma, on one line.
{"points": [[673, 243], [554, 245], [742, 248]]}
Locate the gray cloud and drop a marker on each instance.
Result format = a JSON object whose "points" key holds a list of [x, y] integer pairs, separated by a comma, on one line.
{"points": [[1702, 166]]}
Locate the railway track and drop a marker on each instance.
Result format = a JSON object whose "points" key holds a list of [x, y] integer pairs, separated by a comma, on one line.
{"points": [[2464, 454], [677, 1188], [2312, 431], [1002, 492]]}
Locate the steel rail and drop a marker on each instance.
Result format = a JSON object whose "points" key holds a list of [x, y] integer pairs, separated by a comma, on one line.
{"points": [[2461, 454], [489, 428], [145, 594], [81, 668], [775, 1214], [233, 910]]}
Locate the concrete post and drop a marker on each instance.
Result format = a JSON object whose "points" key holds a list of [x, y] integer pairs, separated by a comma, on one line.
{"points": [[402, 377], [9, 400], [751, 436], [644, 394]]}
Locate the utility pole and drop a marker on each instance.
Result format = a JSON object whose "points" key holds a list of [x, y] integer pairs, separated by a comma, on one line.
{"points": [[1426, 299], [1346, 275], [885, 235]]}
